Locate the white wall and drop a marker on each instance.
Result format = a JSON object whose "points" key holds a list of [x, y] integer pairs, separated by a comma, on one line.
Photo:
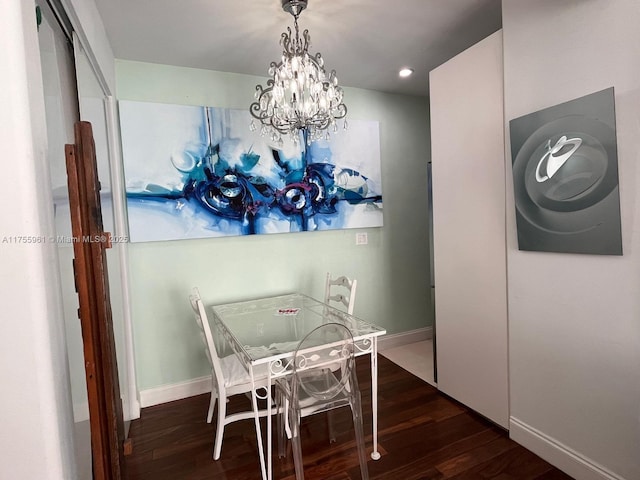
{"points": [[468, 228], [392, 270], [574, 328], [35, 406]]}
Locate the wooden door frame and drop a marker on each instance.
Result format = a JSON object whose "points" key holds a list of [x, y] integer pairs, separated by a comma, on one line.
{"points": [[91, 280]]}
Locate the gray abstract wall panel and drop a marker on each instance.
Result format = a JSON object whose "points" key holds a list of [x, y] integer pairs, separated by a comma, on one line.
{"points": [[565, 177]]}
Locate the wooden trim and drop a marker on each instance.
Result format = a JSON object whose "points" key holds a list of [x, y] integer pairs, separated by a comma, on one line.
{"points": [[128, 447], [90, 242]]}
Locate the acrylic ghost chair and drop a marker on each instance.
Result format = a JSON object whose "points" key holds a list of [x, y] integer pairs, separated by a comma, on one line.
{"points": [[228, 377], [340, 290], [323, 379]]}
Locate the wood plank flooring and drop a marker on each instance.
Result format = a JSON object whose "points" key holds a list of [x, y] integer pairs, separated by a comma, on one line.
{"points": [[422, 435]]}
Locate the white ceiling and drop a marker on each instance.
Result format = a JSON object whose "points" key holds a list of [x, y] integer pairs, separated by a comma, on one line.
{"points": [[365, 41]]}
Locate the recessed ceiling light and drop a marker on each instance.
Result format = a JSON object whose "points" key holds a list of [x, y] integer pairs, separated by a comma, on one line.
{"points": [[405, 72]]}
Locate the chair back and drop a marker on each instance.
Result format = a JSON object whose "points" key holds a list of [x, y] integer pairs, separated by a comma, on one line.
{"points": [[324, 363], [340, 290], [206, 335]]}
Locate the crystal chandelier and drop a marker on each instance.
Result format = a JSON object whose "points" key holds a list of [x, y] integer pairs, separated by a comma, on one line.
{"points": [[298, 96]]}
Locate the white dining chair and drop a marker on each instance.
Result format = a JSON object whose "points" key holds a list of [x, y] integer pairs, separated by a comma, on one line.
{"points": [[340, 291], [228, 377], [318, 385]]}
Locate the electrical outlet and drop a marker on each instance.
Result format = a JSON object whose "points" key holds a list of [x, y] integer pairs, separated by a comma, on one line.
{"points": [[361, 238], [260, 329]]}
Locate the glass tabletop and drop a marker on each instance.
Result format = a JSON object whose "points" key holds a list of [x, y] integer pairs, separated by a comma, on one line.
{"points": [[274, 326]]}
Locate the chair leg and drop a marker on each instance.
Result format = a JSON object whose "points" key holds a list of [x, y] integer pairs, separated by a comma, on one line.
{"points": [[287, 421], [222, 413], [212, 404], [294, 418], [330, 419], [331, 426], [356, 407], [282, 406]]}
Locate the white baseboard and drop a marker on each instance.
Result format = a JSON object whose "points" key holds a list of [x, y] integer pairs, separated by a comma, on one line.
{"points": [[176, 391], [134, 407], [386, 342], [556, 453]]}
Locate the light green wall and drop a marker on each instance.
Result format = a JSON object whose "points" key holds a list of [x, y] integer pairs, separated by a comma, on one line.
{"points": [[392, 269]]}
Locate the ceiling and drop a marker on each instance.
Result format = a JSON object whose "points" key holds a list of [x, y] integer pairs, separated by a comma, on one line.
{"points": [[365, 41]]}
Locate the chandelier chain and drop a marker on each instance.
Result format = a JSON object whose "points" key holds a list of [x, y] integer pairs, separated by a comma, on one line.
{"points": [[295, 23]]}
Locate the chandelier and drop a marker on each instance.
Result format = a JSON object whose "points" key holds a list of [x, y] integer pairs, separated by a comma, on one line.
{"points": [[298, 96]]}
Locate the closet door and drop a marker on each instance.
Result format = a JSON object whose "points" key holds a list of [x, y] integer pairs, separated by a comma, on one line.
{"points": [[467, 130]]}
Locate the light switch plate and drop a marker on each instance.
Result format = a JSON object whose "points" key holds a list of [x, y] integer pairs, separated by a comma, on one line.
{"points": [[361, 238]]}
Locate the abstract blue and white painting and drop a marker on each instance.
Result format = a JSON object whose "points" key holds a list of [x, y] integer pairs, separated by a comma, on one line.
{"points": [[198, 172]]}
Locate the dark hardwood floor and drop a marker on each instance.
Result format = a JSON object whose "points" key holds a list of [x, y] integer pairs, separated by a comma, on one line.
{"points": [[422, 435]]}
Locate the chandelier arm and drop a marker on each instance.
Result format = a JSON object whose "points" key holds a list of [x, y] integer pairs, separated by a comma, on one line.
{"points": [[267, 121], [341, 111], [257, 112], [286, 42], [307, 42]]}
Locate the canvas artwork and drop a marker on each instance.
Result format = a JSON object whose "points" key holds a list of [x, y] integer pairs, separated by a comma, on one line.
{"points": [[198, 172], [565, 177]]}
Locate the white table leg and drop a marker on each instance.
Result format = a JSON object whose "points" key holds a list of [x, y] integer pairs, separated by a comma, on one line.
{"points": [[374, 396], [256, 414], [269, 429]]}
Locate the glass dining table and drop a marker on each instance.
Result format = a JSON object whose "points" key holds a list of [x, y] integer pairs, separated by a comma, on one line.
{"points": [[265, 333]]}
